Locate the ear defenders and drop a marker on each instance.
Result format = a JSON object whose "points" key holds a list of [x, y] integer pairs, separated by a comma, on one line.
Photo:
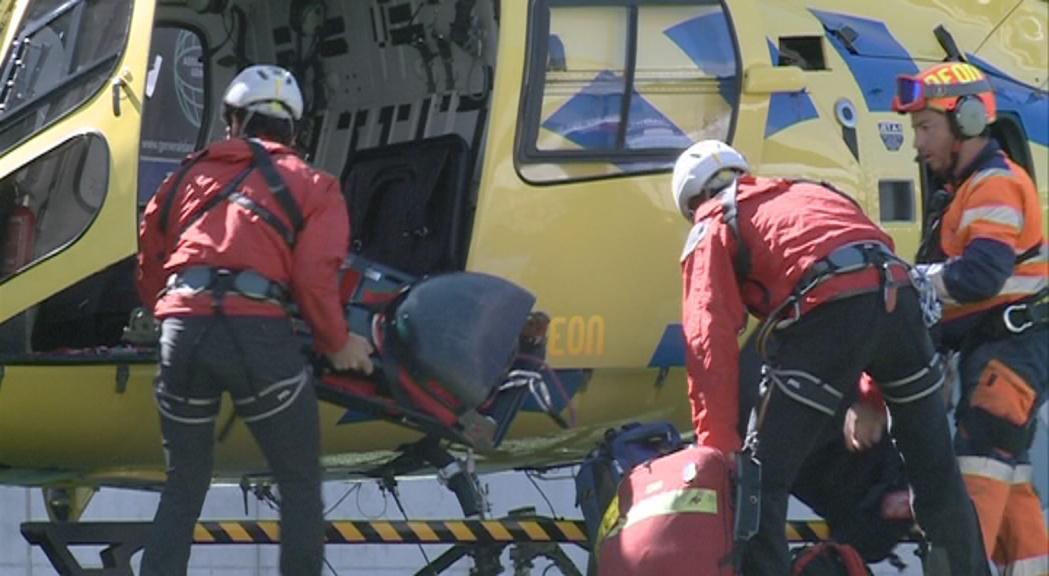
{"points": [[969, 118]]}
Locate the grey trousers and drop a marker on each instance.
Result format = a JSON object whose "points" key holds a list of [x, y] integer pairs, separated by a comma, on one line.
{"points": [[258, 361]]}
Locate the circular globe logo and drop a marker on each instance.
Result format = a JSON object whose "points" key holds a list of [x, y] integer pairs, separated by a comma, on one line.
{"points": [[189, 77]]}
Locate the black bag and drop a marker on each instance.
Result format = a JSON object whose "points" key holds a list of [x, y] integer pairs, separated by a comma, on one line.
{"points": [[406, 204], [850, 490]]}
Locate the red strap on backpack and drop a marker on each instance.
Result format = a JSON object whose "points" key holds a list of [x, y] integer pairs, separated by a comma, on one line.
{"points": [[849, 557]]}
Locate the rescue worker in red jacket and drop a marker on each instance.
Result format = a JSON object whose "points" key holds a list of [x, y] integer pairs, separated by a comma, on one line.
{"points": [[835, 302], [986, 254], [241, 231]]}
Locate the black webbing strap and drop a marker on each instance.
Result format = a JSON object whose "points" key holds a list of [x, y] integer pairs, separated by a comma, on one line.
{"points": [[169, 200], [215, 200], [730, 216], [262, 162], [929, 250], [742, 263], [1029, 253], [266, 216], [279, 189], [391, 368], [747, 486]]}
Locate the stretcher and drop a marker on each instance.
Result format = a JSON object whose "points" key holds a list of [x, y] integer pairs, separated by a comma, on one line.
{"points": [[457, 354]]}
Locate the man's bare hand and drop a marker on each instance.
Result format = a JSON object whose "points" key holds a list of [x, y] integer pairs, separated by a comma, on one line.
{"points": [[354, 355], [864, 426]]}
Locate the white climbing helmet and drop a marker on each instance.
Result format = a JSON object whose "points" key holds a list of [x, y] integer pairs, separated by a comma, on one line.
{"points": [[705, 168], [267, 90]]}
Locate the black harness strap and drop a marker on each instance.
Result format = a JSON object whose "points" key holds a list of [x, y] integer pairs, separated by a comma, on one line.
{"points": [[261, 161], [215, 200], [730, 216], [165, 208], [267, 216], [278, 188], [1029, 253], [929, 250]]}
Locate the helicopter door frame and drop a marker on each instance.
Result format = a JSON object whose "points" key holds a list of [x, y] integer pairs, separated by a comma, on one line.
{"points": [[114, 113], [753, 103]]}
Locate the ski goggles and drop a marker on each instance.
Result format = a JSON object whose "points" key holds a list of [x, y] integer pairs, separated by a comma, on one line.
{"points": [[913, 94]]}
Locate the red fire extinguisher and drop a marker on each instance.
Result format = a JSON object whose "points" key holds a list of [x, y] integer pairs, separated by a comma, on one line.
{"points": [[21, 236]]}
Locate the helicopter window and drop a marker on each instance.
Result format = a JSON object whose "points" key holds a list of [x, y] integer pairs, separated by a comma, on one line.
{"points": [[51, 201], [64, 52], [45, 207], [896, 200], [623, 85], [805, 52], [174, 113]]}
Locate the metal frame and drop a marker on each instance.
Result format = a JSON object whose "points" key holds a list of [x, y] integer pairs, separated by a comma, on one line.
{"points": [[529, 537], [484, 540]]}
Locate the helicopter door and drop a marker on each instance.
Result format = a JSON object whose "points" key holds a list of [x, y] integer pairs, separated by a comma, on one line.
{"points": [[72, 86]]}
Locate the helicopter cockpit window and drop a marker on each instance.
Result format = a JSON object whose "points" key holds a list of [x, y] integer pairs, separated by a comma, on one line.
{"points": [[623, 88], [50, 202], [63, 53], [173, 117]]}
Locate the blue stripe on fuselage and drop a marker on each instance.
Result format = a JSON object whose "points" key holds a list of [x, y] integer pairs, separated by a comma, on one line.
{"points": [[706, 41], [787, 108], [1029, 103], [876, 57], [670, 351]]}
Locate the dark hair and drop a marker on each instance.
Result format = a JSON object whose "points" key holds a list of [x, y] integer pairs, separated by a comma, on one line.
{"points": [[262, 126]]}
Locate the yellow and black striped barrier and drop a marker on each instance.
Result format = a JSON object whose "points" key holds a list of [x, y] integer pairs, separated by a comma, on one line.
{"points": [[442, 531], [403, 532], [807, 531], [503, 531], [123, 539]]}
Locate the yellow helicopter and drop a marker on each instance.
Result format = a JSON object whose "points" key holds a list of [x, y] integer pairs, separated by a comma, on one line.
{"points": [[555, 124]]}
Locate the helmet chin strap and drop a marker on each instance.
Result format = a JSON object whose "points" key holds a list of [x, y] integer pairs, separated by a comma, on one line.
{"points": [[956, 148], [249, 113]]}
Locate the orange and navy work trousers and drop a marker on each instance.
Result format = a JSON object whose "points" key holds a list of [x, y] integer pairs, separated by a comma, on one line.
{"points": [[1003, 385]]}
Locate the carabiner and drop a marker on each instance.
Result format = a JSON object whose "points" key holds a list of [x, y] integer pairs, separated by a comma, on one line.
{"points": [[1009, 321]]}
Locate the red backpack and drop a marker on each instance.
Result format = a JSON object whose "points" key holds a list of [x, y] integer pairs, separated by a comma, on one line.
{"points": [[828, 559]]}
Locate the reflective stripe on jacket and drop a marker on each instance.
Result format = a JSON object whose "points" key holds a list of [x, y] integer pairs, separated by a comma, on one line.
{"points": [[994, 218]]}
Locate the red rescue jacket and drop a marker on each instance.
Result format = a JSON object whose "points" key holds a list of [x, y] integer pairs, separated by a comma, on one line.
{"points": [[787, 226], [231, 236]]}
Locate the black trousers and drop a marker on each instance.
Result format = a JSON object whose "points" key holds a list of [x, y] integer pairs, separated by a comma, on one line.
{"points": [[258, 361], [836, 342]]}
